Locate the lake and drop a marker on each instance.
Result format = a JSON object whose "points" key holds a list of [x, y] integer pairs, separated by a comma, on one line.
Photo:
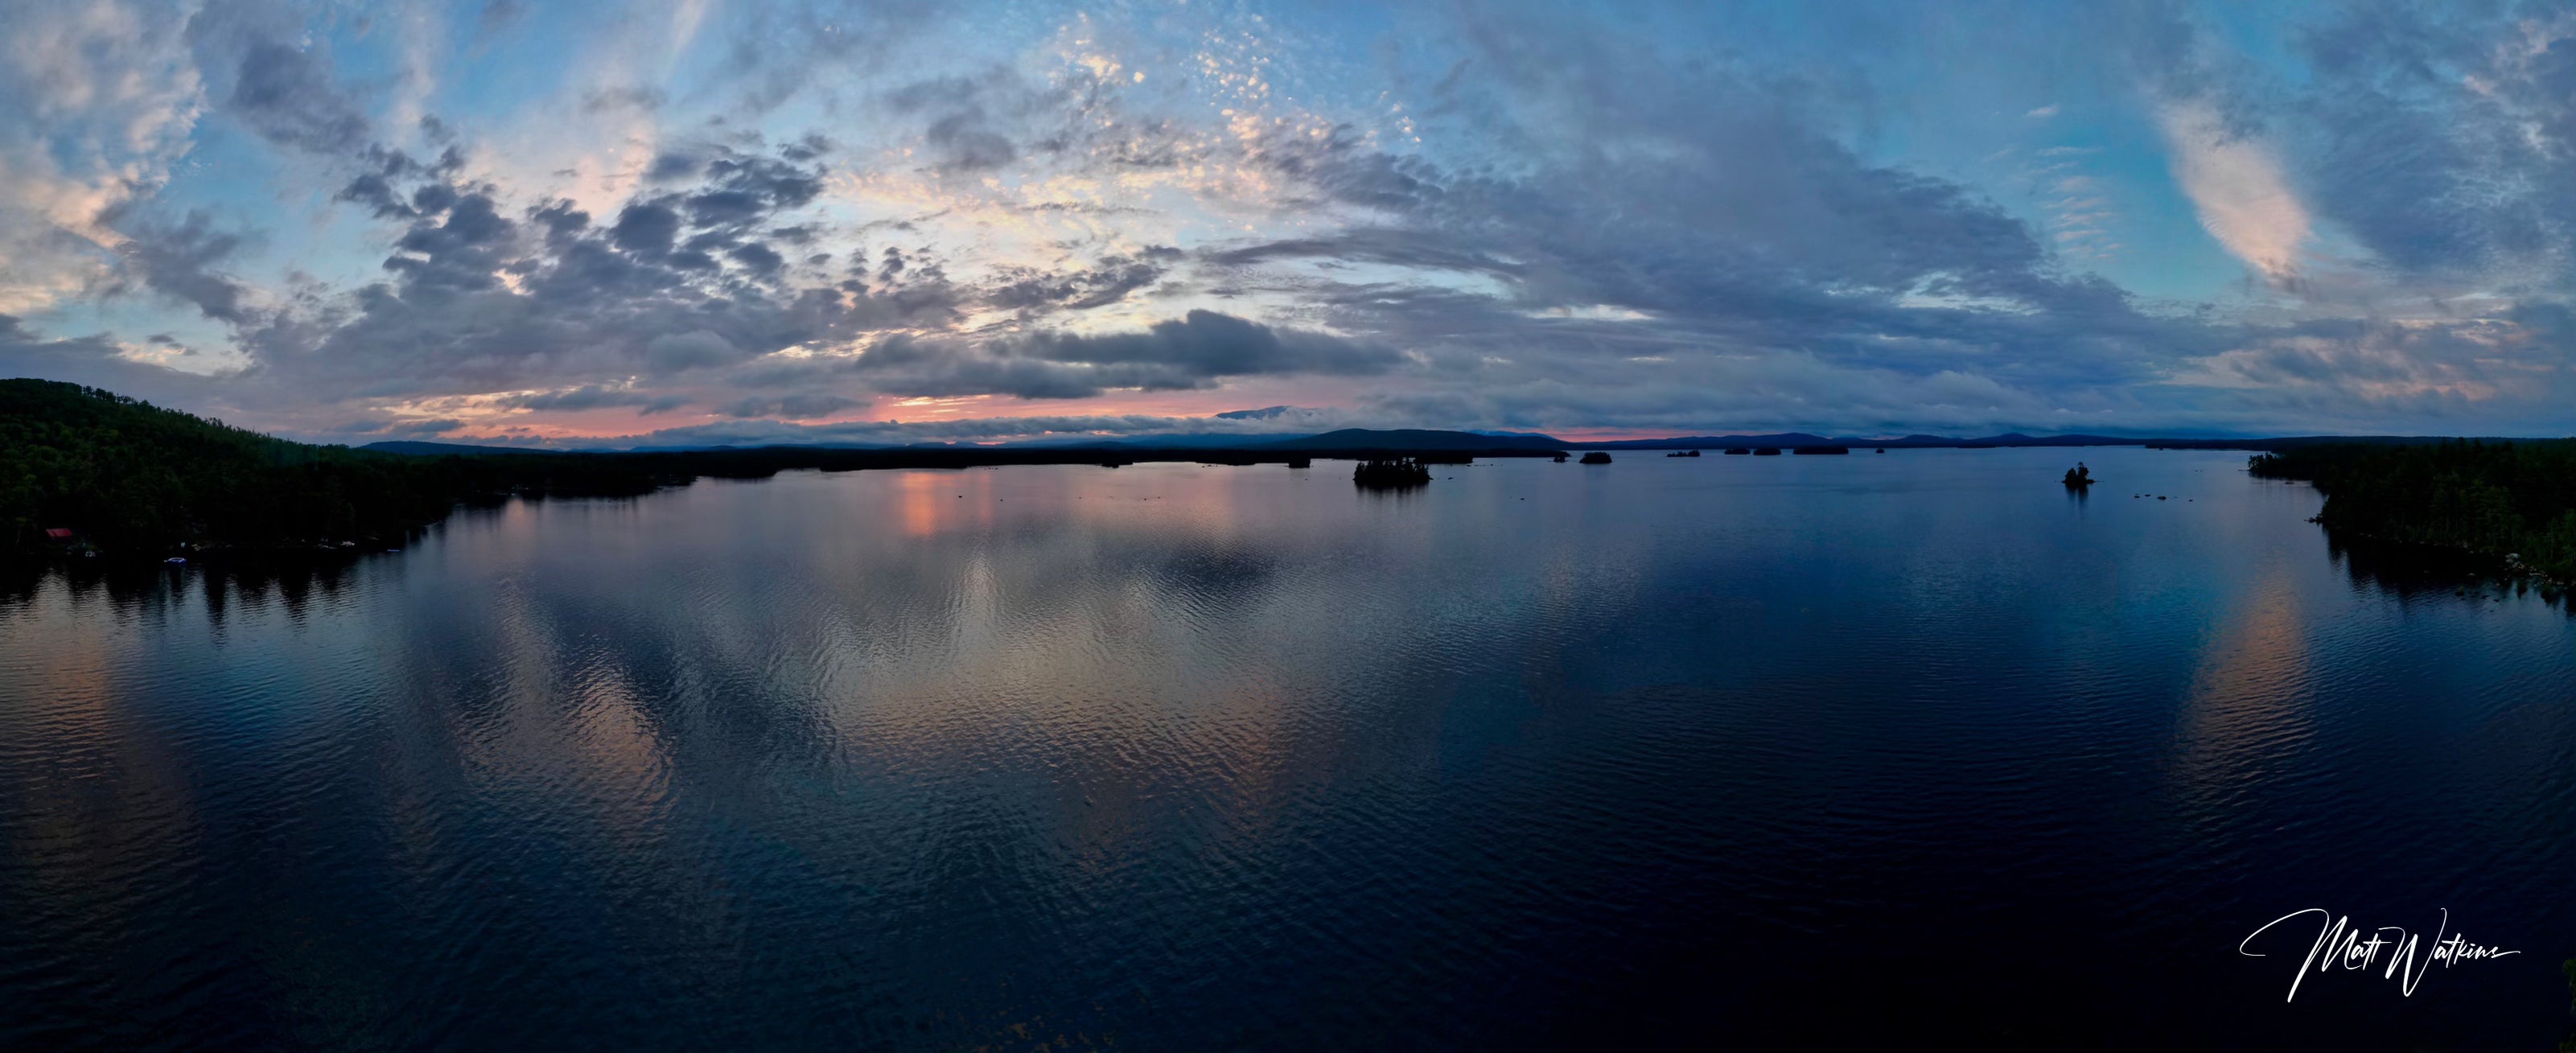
{"points": [[1845, 752]]}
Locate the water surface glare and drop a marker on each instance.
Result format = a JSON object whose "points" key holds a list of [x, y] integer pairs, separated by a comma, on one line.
{"points": [[1804, 750]]}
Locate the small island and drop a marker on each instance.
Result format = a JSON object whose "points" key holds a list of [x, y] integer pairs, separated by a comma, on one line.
{"points": [[1391, 474], [1737, 451], [2079, 477], [1596, 457], [1767, 451], [1684, 453]]}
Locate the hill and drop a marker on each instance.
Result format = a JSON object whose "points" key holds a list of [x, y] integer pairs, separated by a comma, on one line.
{"points": [[1416, 439], [444, 449], [1796, 439], [132, 479], [125, 475]]}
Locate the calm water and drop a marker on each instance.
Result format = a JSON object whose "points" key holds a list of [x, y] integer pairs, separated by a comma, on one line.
{"points": [[1814, 751]]}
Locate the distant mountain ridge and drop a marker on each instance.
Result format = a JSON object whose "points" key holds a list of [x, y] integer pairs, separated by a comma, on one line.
{"points": [[1430, 439], [1414, 439], [439, 449], [1795, 439]]}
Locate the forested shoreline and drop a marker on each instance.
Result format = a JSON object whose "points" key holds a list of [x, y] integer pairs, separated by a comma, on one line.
{"points": [[2507, 500], [126, 478], [129, 479]]}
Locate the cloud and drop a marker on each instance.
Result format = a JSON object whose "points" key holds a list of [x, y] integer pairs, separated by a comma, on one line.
{"points": [[753, 431], [290, 95], [789, 406], [2444, 139], [486, 298], [179, 261], [100, 361], [1108, 281], [2236, 184], [1264, 413], [595, 396], [101, 98], [1537, 219], [1192, 352], [1697, 216]]}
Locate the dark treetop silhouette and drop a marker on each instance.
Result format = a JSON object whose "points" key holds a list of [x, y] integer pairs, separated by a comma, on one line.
{"points": [[2508, 500]]}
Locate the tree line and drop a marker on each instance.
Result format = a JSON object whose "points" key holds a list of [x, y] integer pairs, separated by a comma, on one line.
{"points": [[131, 478], [2487, 497]]}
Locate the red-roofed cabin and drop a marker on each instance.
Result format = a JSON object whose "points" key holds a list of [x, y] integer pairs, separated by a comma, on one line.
{"points": [[58, 533]]}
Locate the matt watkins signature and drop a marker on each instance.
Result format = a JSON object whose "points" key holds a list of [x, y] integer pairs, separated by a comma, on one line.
{"points": [[2341, 944]]}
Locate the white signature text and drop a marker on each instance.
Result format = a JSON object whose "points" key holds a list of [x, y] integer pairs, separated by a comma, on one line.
{"points": [[2341, 944]]}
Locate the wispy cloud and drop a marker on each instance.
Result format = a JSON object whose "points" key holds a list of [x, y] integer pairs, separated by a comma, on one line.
{"points": [[2236, 185]]}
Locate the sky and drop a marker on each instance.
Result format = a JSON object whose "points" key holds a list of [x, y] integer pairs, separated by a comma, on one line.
{"points": [[715, 221]]}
